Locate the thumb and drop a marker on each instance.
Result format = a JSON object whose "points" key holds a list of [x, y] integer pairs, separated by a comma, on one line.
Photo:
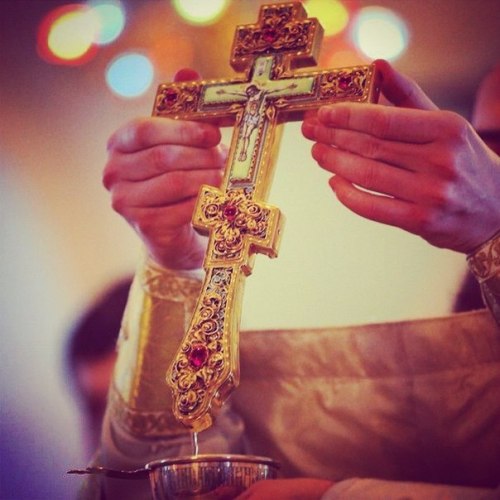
{"points": [[401, 90], [186, 74]]}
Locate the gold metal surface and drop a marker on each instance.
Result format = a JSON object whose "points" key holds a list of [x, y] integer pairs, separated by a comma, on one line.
{"points": [[236, 218]]}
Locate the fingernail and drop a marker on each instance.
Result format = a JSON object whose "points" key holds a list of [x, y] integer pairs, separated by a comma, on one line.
{"points": [[325, 113]]}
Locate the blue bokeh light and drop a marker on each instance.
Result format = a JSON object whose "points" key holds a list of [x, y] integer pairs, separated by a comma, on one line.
{"points": [[110, 15], [130, 75]]}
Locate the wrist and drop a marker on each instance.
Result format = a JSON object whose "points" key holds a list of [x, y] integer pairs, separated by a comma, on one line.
{"points": [[186, 254]]}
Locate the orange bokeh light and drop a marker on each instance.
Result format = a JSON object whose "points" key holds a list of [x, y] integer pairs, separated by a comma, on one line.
{"points": [[45, 41]]}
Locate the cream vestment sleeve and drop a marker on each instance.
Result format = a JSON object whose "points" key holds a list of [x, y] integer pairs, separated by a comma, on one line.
{"points": [[413, 401], [139, 425]]}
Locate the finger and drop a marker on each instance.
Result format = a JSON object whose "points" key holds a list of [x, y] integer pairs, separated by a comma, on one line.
{"points": [[158, 160], [369, 174], [395, 153], [395, 124], [390, 211], [401, 90], [309, 127], [156, 222], [148, 132], [163, 190]]}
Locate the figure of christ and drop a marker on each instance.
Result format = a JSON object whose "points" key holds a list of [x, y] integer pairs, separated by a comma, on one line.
{"points": [[254, 109]]}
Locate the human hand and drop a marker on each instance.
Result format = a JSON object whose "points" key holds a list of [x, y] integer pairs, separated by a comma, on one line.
{"points": [[426, 171], [154, 170], [287, 489]]}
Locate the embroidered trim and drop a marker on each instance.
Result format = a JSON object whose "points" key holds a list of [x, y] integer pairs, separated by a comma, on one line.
{"points": [[485, 262], [143, 424], [168, 284]]}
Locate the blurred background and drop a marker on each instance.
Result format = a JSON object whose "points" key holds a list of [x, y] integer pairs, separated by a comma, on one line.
{"points": [[72, 73]]}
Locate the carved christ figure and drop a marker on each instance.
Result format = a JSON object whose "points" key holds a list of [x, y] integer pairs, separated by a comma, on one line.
{"points": [[254, 108]]}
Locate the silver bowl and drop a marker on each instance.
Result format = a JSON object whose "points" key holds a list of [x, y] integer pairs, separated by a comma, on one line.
{"points": [[207, 476]]}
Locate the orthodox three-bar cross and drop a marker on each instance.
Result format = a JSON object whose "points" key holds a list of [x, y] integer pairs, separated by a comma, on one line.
{"points": [[238, 221]]}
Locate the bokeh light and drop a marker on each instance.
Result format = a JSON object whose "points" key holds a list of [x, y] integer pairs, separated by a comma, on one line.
{"points": [[346, 57], [174, 52], [379, 33], [200, 12], [111, 19], [66, 35], [332, 14], [130, 75]]}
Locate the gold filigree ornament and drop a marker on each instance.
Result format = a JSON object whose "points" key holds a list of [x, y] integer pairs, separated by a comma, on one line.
{"points": [[484, 264], [267, 93]]}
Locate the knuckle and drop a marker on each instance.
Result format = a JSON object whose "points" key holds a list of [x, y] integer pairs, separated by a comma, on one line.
{"points": [[443, 196], [187, 132], [373, 148], [329, 135], [109, 175], [446, 163], [177, 183], [454, 125], [422, 221], [370, 178], [160, 158], [380, 125], [196, 133], [118, 201], [140, 130]]}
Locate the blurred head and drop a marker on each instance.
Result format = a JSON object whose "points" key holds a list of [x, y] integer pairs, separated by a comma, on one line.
{"points": [[486, 113], [91, 356]]}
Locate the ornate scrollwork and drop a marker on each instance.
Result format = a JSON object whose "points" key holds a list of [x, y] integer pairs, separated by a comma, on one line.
{"points": [[234, 216], [141, 423], [176, 99], [278, 32], [485, 262], [343, 84], [201, 360]]}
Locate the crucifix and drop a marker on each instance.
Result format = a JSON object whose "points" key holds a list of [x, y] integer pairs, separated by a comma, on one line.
{"points": [[268, 92]]}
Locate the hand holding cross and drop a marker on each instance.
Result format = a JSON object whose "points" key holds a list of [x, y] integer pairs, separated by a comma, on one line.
{"points": [[236, 217]]}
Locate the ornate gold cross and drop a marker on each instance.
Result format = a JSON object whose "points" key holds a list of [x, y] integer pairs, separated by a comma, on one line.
{"points": [[236, 218]]}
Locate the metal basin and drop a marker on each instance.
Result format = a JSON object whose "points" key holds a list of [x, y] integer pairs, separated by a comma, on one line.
{"points": [[208, 476]]}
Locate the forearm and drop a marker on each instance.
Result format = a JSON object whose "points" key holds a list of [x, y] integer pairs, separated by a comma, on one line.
{"points": [[484, 263]]}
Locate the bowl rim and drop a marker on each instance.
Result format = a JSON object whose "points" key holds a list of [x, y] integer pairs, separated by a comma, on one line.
{"points": [[211, 458]]}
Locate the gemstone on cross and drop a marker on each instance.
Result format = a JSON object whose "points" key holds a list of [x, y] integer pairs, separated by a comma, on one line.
{"points": [[238, 221], [239, 226]]}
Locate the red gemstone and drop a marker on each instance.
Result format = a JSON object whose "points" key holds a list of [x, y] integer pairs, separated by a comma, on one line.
{"points": [[269, 36], [344, 82], [198, 356], [230, 212], [170, 96]]}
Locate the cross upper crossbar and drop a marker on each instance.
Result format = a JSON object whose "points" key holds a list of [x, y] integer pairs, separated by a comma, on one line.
{"points": [[236, 217]]}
